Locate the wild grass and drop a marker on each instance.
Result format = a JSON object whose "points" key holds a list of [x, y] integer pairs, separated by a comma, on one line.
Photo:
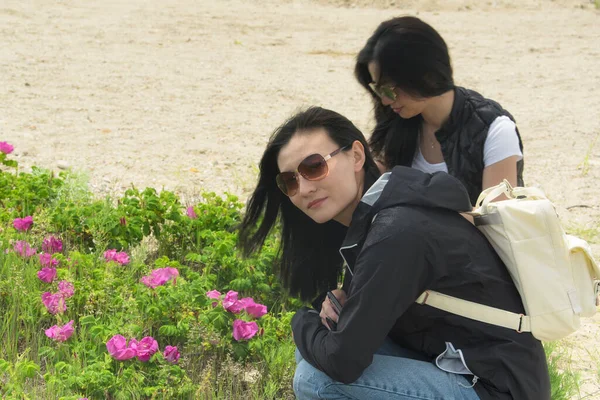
{"points": [[585, 164], [564, 381], [589, 233]]}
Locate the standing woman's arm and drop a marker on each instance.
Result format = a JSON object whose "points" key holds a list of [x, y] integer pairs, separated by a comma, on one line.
{"points": [[496, 173], [501, 153]]}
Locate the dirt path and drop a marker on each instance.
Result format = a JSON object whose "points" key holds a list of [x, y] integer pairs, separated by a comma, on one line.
{"points": [[183, 94]]}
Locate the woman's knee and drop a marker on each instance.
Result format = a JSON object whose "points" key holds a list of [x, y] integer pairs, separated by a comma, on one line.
{"points": [[308, 380], [301, 375]]}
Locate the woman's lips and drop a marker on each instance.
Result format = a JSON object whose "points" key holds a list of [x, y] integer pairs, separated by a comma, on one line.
{"points": [[397, 110], [316, 203]]}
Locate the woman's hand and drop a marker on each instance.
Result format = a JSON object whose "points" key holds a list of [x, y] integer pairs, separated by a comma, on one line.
{"points": [[327, 310]]}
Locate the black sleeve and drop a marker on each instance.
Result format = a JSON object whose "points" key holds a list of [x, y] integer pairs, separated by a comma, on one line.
{"points": [[390, 273]]}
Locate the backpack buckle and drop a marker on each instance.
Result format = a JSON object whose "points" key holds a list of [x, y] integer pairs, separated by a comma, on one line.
{"points": [[520, 323], [422, 299]]}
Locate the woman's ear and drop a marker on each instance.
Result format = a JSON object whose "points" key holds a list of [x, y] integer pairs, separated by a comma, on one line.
{"points": [[358, 151]]}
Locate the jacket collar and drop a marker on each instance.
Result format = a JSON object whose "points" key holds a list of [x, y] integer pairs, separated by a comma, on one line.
{"points": [[449, 126]]}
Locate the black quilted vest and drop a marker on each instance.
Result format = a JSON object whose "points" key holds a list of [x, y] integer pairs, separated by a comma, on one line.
{"points": [[462, 138]]}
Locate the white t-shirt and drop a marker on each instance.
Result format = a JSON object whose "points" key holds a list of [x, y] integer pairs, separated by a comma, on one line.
{"points": [[501, 142]]}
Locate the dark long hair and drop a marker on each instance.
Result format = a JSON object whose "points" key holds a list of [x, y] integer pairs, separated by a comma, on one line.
{"points": [[308, 260], [414, 57]]}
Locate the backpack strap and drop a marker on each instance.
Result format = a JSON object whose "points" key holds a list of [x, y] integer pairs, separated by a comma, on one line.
{"points": [[476, 311]]}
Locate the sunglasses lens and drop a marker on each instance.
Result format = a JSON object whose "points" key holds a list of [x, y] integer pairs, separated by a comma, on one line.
{"points": [[287, 183], [383, 91], [388, 92], [313, 167], [375, 89]]}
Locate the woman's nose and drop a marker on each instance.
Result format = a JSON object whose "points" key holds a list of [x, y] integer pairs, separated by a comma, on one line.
{"points": [[305, 186]]}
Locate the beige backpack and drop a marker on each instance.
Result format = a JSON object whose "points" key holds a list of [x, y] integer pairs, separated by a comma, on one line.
{"points": [[555, 273]]}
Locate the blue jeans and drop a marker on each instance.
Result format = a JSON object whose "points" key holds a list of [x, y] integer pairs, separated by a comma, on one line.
{"points": [[395, 374]]}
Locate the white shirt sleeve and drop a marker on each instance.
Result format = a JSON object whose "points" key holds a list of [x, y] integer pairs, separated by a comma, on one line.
{"points": [[502, 141]]}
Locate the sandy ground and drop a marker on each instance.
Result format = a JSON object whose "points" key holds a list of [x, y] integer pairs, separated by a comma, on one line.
{"points": [[183, 94]]}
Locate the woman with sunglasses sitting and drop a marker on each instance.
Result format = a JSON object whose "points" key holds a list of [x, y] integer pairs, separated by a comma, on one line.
{"points": [[393, 237], [423, 120]]}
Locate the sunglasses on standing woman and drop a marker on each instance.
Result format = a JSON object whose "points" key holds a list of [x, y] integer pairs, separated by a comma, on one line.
{"points": [[382, 91]]}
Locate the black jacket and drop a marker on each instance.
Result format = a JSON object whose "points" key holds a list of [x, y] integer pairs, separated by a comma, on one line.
{"points": [[419, 241], [463, 136]]}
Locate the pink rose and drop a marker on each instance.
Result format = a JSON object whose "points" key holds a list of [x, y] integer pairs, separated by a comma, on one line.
{"points": [[6, 148], [60, 333], [55, 303], [236, 307], [254, 309], [244, 330], [52, 245], [160, 276], [66, 289], [23, 224], [47, 261], [47, 274], [119, 257], [146, 348], [171, 354], [191, 213], [23, 249], [214, 294], [118, 349], [122, 258], [231, 303], [109, 255]]}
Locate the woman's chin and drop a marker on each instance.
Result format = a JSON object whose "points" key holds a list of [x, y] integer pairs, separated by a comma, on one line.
{"points": [[320, 216]]}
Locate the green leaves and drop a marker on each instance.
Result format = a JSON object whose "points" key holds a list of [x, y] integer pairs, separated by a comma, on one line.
{"points": [[10, 163], [5, 367], [168, 330], [5, 161], [109, 299], [26, 369]]}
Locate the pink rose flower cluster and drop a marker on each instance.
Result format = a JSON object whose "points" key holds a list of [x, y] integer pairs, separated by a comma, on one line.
{"points": [[160, 276], [118, 256], [235, 306], [55, 302], [48, 272], [52, 245], [121, 350], [47, 261], [60, 333], [23, 224], [23, 249], [242, 330], [6, 148]]}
